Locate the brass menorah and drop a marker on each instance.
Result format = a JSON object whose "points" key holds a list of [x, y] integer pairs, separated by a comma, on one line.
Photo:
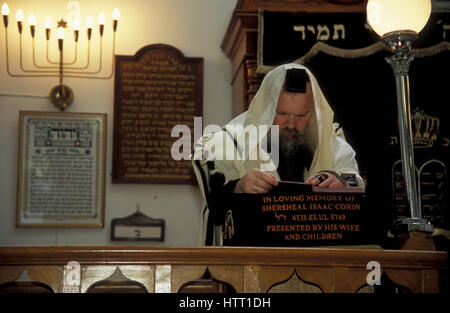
{"points": [[61, 95]]}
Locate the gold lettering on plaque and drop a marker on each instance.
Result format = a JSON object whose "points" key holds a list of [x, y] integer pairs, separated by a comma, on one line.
{"points": [[311, 217], [157, 90]]}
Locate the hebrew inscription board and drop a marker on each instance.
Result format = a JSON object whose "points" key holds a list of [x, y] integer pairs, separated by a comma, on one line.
{"points": [[61, 169], [155, 90]]}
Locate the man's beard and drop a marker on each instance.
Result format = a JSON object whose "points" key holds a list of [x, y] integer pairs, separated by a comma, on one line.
{"points": [[297, 151], [292, 142]]}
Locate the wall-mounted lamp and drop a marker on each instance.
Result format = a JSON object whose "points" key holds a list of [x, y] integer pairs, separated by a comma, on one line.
{"points": [[398, 24], [61, 95]]}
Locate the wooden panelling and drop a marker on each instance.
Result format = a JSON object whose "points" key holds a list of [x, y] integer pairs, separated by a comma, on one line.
{"points": [[215, 269]]}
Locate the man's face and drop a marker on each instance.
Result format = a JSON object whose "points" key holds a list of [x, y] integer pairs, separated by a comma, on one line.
{"points": [[294, 112]]}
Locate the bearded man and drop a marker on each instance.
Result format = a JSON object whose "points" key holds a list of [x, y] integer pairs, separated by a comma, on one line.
{"points": [[312, 149]]}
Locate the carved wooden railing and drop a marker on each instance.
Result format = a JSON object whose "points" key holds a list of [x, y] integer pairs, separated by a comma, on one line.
{"points": [[243, 270]]}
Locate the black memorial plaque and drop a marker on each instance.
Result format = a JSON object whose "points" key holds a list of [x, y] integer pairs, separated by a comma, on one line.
{"points": [[285, 217]]}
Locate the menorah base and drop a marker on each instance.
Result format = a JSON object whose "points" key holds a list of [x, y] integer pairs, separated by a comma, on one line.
{"points": [[61, 96]]}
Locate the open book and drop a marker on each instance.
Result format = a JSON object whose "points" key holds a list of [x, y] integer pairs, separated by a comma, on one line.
{"points": [[298, 186]]}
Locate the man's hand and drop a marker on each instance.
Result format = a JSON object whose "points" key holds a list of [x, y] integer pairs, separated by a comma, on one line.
{"points": [[255, 181], [325, 180]]}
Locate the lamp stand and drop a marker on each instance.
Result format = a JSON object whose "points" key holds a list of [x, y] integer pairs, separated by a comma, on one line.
{"points": [[400, 44]]}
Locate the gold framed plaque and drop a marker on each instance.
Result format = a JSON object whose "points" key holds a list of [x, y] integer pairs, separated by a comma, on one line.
{"points": [[61, 177]]}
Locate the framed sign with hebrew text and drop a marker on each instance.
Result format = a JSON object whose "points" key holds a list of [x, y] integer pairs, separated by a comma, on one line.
{"points": [[61, 179], [155, 90]]}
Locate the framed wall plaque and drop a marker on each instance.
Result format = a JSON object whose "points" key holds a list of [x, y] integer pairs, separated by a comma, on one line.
{"points": [[155, 90], [61, 179]]}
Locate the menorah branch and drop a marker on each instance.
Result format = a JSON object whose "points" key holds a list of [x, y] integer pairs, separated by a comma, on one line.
{"points": [[60, 95]]}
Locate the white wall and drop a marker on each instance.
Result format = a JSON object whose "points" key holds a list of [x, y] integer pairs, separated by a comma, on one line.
{"points": [[196, 27]]}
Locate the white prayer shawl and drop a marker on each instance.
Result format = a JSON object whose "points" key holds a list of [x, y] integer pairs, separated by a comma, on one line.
{"points": [[332, 151]]}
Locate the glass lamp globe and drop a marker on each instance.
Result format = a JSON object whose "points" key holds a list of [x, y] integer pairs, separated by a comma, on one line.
{"points": [[387, 16]]}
